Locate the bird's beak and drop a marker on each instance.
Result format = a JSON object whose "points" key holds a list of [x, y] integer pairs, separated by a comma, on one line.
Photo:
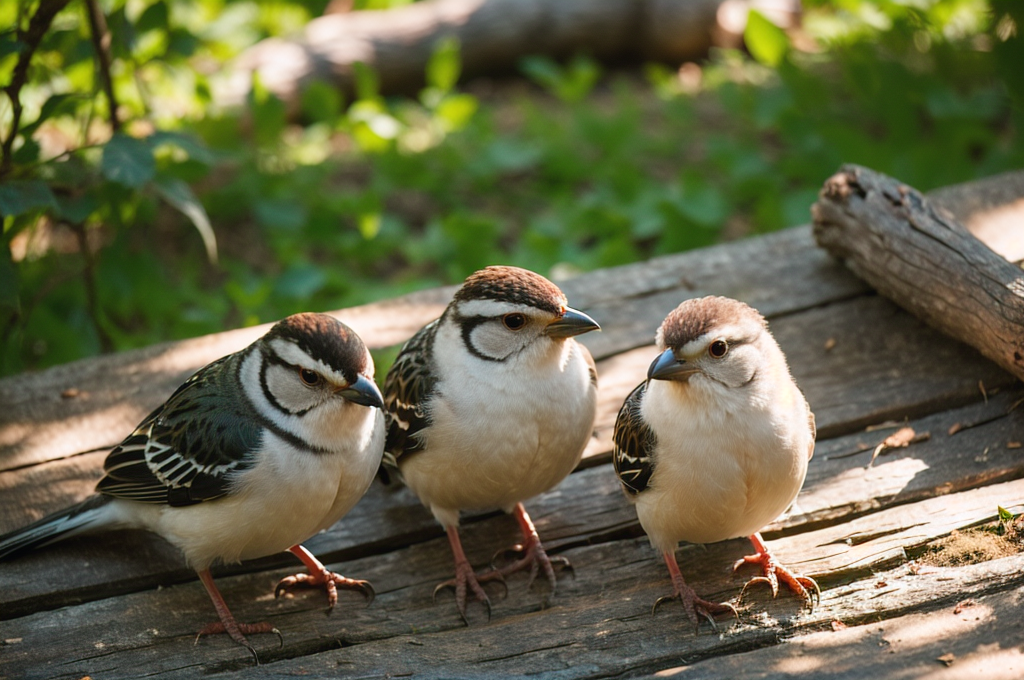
{"points": [[363, 391], [571, 323], [667, 367]]}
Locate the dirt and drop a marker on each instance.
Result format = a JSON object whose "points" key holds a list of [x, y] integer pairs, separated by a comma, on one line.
{"points": [[979, 544]]}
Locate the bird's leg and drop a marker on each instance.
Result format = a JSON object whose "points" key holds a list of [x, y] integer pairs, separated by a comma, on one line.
{"points": [[531, 552], [693, 604], [465, 577], [320, 577], [227, 623], [773, 572]]}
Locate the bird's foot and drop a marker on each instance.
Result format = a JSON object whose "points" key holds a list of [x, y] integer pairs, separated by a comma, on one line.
{"points": [[532, 556], [465, 581], [237, 632], [329, 581], [773, 572], [696, 606]]}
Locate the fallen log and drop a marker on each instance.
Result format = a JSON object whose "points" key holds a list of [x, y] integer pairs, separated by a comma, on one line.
{"points": [[493, 35], [918, 255]]}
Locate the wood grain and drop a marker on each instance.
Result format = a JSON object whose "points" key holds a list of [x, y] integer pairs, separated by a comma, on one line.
{"points": [[925, 261]]}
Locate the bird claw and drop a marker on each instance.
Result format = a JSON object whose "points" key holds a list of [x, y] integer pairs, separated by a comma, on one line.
{"points": [[694, 605], [534, 557], [330, 582], [469, 580], [239, 632], [804, 586]]}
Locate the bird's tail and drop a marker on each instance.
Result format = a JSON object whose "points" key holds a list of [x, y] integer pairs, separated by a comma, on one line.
{"points": [[77, 519]]}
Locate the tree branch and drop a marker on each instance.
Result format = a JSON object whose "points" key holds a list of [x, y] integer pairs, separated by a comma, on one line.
{"points": [[101, 41], [30, 39]]}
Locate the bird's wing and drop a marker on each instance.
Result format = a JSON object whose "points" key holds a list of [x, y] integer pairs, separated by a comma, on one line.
{"points": [[634, 441], [188, 449], [407, 387]]}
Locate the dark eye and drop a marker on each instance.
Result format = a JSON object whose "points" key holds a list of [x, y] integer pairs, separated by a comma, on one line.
{"points": [[514, 321], [309, 377], [718, 349]]}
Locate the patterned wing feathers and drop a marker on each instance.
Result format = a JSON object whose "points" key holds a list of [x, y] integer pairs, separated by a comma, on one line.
{"points": [[634, 443]]}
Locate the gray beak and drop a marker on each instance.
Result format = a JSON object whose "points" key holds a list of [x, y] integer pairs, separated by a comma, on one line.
{"points": [[572, 323], [363, 391], [667, 367]]}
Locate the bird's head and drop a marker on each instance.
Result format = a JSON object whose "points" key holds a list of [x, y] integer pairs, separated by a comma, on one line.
{"points": [[501, 311], [716, 338], [312, 359]]}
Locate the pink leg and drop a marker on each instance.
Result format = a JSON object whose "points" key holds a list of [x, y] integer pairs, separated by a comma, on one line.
{"points": [[773, 572], [227, 623], [693, 604], [320, 577], [465, 577], [532, 552]]}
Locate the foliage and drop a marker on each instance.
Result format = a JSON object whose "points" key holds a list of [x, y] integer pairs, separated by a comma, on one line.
{"points": [[176, 218]]}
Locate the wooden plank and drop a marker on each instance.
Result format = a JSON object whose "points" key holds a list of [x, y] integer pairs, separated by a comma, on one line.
{"points": [[980, 637], [599, 621], [587, 508]]}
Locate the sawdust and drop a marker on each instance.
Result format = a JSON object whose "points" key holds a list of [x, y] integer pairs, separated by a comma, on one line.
{"points": [[979, 544]]}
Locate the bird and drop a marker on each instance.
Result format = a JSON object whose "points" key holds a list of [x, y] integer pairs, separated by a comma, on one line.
{"points": [[489, 405], [250, 456], [715, 443]]}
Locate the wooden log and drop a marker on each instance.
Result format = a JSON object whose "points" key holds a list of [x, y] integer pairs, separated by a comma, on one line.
{"points": [[493, 34], [924, 260]]}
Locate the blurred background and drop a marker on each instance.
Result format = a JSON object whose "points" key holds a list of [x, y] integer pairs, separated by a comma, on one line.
{"points": [[264, 157]]}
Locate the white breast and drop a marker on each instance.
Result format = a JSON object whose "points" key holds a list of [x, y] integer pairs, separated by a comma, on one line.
{"points": [[501, 432], [724, 467], [288, 496]]}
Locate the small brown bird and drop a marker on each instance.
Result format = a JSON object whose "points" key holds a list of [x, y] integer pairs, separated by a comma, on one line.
{"points": [[715, 444], [490, 405]]}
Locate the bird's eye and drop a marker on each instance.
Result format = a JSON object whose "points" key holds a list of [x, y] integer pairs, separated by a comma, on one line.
{"points": [[309, 377], [718, 349], [514, 321]]}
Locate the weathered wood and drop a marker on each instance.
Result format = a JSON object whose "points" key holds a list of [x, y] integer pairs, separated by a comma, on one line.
{"points": [[607, 603], [493, 35], [925, 261], [980, 638]]}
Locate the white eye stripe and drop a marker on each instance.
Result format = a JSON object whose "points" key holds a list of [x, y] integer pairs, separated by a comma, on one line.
{"points": [[493, 308]]}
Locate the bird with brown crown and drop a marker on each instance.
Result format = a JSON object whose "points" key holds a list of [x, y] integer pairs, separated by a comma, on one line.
{"points": [[715, 444], [490, 405]]}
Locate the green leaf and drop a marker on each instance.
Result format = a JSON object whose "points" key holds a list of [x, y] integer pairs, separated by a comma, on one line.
{"points": [[1004, 514], [767, 42], [76, 209], [301, 281], [51, 107], [193, 146], [445, 65], [456, 110], [128, 161], [367, 82], [269, 113], [155, 17], [321, 102], [20, 196], [179, 194]]}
